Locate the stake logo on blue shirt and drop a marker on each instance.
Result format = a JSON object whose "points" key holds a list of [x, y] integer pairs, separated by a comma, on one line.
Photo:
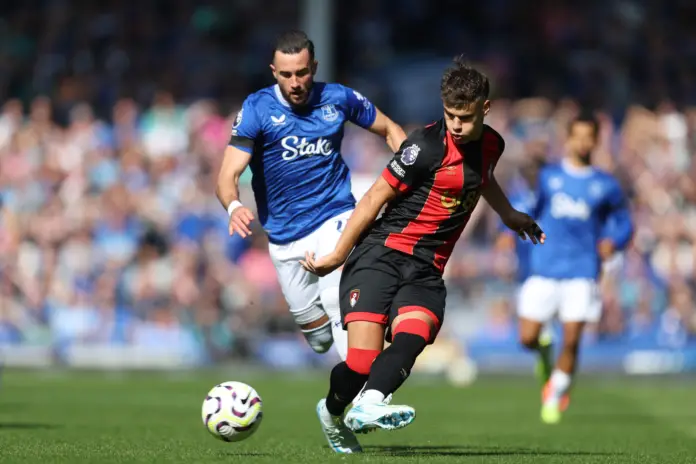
{"points": [[577, 208], [298, 175]]}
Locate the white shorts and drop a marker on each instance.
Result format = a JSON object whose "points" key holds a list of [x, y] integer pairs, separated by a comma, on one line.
{"points": [[574, 300], [306, 293]]}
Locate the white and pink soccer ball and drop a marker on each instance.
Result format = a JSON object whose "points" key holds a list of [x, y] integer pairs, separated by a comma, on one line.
{"points": [[232, 411]]}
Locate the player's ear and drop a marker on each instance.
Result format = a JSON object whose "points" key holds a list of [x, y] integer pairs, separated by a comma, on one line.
{"points": [[486, 107], [315, 65], [273, 70]]}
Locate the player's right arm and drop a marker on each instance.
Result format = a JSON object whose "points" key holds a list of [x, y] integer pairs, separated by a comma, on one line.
{"points": [[233, 165], [409, 166], [364, 214], [238, 153]]}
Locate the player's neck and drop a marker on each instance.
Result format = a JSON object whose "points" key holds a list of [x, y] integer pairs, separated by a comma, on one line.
{"points": [[285, 102], [578, 162], [576, 166]]}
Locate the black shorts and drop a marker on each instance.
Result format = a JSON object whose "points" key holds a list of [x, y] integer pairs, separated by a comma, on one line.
{"points": [[379, 283]]}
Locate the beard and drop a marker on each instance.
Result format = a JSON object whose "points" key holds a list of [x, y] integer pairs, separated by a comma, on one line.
{"points": [[297, 100], [585, 157]]}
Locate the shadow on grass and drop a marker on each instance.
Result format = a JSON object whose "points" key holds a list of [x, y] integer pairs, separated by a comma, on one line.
{"points": [[453, 450], [26, 426]]}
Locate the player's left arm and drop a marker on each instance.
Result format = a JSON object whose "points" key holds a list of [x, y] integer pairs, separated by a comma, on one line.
{"points": [[617, 229], [365, 114], [522, 223]]}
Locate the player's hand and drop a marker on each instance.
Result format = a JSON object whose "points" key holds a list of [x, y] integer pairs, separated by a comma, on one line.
{"points": [[240, 220], [606, 249], [525, 226], [322, 266]]}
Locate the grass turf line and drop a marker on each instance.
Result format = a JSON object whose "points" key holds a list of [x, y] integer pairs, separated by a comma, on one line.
{"points": [[92, 417]]}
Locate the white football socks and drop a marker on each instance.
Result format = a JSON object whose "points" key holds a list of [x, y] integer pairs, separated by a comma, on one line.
{"points": [[370, 397], [330, 302], [559, 385], [340, 337]]}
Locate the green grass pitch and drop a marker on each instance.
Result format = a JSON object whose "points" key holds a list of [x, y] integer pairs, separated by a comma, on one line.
{"points": [[66, 417]]}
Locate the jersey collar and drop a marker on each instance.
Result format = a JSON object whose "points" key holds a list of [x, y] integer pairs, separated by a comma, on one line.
{"points": [[576, 171], [283, 101]]}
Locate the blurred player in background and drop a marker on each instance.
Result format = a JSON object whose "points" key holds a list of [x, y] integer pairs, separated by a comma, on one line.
{"points": [[524, 199], [392, 282], [290, 135], [585, 212]]}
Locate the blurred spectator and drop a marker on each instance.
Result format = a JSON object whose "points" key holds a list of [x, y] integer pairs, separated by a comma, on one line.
{"points": [[114, 118]]}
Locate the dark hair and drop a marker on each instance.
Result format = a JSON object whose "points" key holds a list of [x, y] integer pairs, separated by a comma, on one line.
{"points": [[462, 84], [292, 42], [585, 117]]}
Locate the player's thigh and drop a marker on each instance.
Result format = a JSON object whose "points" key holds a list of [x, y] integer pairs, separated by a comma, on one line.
{"points": [[368, 285], [366, 335], [580, 301], [538, 299], [325, 239], [300, 288], [423, 301]]}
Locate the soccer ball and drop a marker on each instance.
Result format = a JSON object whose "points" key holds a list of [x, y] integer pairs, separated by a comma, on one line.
{"points": [[232, 411]]}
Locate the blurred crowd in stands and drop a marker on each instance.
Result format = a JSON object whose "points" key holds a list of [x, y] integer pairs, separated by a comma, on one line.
{"points": [[115, 116]]}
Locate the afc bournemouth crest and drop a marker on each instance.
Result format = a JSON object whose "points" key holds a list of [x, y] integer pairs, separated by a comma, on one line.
{"points": [[409, 155], [354, 295]]}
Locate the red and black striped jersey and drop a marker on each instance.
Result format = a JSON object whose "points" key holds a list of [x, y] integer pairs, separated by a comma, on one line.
{"points": [[440, 184]]}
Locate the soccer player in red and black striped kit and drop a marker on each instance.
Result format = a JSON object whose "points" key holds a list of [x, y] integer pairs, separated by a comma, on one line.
{"points": [[392, 281]]}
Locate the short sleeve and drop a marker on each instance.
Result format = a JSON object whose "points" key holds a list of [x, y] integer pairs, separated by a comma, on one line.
{"points": [[360, 110], [409, 166], [617, 224], [246, 128], [615, 197], [493, 147]]}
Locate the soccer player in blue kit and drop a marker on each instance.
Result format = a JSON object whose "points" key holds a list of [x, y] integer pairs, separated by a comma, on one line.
{"points": [[585, 213], [290, 135], [524, 199]]}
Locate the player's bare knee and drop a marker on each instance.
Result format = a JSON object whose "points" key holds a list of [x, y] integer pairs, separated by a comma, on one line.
{"points": [[529, 333], [365, 335], [529, 341]]}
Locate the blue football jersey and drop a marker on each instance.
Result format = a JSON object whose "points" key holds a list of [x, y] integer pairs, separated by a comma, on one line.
{"points": [[576, 208], [523, 200], [298, 175]]}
